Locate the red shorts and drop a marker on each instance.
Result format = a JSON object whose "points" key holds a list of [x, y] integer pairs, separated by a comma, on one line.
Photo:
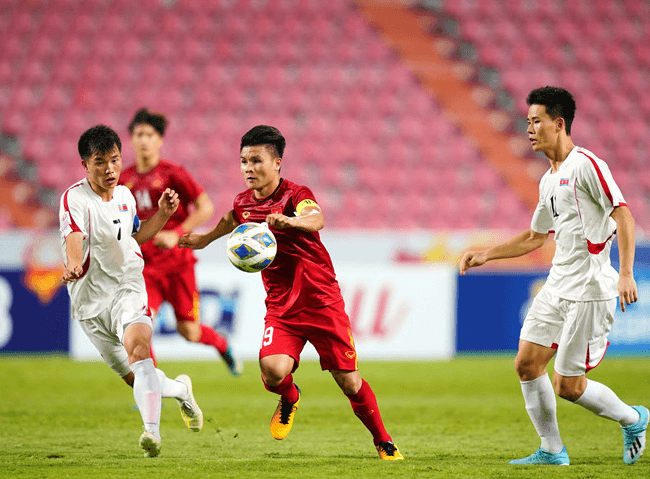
{"points": [[178, 288], [326, 328]]}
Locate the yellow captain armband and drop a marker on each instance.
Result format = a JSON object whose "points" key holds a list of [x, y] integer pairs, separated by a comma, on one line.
{"points": [[304, 204]]}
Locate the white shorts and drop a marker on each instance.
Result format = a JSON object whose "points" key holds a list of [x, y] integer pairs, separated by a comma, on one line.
{"points": [[578, 329], [106, 331]]}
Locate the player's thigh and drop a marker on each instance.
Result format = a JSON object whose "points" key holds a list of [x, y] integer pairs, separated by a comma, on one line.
{"points": [[180, 291], [129, 307], [331, 335], [281, 339], [584, 339], [107, 343], [544, 321], [155, 287]]}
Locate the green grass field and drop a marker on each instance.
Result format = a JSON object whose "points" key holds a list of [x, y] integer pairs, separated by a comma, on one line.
{"points": [[451, 419]]}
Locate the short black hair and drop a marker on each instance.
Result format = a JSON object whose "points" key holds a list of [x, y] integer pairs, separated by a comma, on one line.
{"points": [[144, 116], [98, 139], [558, 102], [264, 135]]}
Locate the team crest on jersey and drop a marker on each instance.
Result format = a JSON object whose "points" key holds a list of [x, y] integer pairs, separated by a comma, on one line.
{"points": [[245, 214], [123, 207], [276, 211], [157, 183], [564, 181]]}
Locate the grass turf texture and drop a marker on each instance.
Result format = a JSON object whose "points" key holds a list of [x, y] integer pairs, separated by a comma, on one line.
{"points": [[451, 419]]}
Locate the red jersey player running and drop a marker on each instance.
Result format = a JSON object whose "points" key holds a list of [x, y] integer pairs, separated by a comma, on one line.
{"points": [[303, 302], [169, 270]]}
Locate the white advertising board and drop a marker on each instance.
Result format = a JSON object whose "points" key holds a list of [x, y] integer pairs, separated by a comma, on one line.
{"points": [[396, 312]]}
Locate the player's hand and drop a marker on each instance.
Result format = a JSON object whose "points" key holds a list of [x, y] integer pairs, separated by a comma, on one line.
{"points": [[627, 291], [472, 259], [166, 239], [280, 221], [193, 241], [72, 273], [168, 202]]}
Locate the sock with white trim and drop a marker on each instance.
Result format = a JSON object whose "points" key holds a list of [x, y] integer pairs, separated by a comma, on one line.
{"points": [[146, 391], [604, 402], [541, 406]]}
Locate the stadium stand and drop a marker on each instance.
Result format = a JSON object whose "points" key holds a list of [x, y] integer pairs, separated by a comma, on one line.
{"points": [[379, 145]]}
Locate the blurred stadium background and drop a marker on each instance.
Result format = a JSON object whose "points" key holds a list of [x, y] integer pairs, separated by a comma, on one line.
{"points": [[406, 117]]}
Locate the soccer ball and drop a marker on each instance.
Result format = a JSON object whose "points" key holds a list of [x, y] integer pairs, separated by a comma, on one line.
{"points": [[251, 247]]}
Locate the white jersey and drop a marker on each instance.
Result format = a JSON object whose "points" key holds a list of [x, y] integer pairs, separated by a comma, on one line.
{"points": [[576, 202], [112, 257]]}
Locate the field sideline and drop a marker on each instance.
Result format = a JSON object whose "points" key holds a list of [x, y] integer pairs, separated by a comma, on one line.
{"points": [[451, 419]]}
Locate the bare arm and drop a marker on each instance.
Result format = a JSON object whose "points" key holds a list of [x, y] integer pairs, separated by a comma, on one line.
{"points": [[627, 290], [311, 219], [519, 245], [167, 206], [225, 226], [203, 212], [74, 257]]}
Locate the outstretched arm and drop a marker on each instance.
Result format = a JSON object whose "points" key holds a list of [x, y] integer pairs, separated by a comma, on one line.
{"points": [[167, 206], [225, 226], [519, 245], [627, 290], [202, 213]]}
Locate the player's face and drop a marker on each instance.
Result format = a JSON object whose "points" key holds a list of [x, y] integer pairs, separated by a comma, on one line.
{"points": [[146, 141], [104, 171], [543, 131], [261, 169]]}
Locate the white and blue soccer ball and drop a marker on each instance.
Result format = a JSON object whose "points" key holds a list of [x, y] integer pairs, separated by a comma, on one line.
{"points": [[251, 247]]}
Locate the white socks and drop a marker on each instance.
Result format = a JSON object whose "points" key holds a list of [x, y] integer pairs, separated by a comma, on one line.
{"points": [[602, 401], [146, 391], [170, 388], [539, 397]]}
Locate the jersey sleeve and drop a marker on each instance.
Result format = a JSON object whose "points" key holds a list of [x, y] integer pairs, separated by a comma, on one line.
{"points": [[303, 197], [597, 180], [185, 185], [72, 212], [542, 221]]}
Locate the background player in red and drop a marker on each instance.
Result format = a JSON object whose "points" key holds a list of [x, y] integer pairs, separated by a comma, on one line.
{"points": [[169, 270], [303, 302]]}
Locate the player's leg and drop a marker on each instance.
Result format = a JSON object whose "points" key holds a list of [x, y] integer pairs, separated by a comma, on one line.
{"points": [[582, 350], [146, 386], [540, 401], [539, 334], [279, 358], [364, 404], [183, 295], [155, 300]]}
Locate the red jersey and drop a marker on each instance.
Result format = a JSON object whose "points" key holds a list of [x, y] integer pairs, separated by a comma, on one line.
{"points": [[148, 188], [301, 275]]}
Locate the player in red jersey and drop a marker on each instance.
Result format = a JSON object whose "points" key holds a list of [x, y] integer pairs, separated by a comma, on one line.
{"points": [[169, 270], [303, 302]]}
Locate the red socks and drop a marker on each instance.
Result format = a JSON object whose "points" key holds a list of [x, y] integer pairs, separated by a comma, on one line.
{"points": [[287, 389], [210, 337], [364, 405]]}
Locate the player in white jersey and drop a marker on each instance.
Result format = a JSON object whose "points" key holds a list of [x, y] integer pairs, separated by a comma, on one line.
{"points": [[574, 311], [101, 234]]}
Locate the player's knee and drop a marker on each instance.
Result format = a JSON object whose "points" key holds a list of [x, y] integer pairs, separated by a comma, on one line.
{"points": [[139, 352], [191, 334], [349, 381], [272, 377], [526, 368], [569, 390]]}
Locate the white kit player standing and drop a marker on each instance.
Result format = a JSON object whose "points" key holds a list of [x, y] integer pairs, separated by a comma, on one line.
{"points": [[101, 234], [573, 313]]}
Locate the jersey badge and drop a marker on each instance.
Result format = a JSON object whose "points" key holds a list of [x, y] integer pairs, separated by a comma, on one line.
{"points": [[276, 211], [123, 207], [156, 183], [564, 181], [245, 214]]}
